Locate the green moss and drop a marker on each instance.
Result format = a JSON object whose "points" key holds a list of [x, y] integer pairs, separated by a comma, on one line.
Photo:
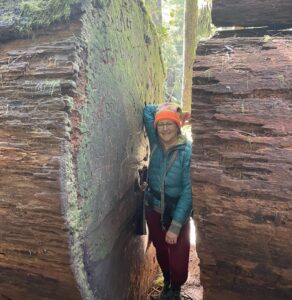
{"points": [[124, 70], [75, 222], [29, 14]]}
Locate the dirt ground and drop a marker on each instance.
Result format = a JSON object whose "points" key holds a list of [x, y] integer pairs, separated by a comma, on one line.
{"points": [[192, 289]]}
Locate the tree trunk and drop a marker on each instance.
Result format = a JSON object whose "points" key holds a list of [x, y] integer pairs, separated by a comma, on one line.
{"points": [[241, 167], [71, 141], [189, 46], [252, 13]]}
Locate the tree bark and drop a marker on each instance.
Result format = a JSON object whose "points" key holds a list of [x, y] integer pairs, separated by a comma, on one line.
{"points": [[189, 46], [35, 82], [241, 167], [71, 141], [252, 13]]}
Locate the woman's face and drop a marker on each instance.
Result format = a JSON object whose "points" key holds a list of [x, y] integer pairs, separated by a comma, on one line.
{"points": [[167, 131]]}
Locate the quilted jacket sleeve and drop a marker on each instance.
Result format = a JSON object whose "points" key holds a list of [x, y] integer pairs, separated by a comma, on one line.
{"points": [[148, 119]]}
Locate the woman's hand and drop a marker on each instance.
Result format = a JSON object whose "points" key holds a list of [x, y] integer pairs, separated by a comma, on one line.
{"points": [[171, 238]]}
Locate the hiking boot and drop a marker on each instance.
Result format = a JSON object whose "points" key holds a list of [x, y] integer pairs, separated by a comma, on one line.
{"points": [[175, 294], [165, 292]]}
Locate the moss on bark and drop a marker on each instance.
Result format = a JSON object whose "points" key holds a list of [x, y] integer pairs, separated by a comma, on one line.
{"points": [[24, 15]]}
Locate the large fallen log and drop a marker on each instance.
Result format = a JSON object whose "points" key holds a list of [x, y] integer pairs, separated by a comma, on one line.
{"points": [[71, 140], [242, 167], [35, 258], [252, 13]]}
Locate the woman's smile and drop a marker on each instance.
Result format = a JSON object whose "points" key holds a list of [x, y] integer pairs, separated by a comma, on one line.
{"points": [[168, 132]]}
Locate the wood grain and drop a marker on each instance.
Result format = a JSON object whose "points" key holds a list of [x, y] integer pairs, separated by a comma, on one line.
{"points": [[242, 166]]}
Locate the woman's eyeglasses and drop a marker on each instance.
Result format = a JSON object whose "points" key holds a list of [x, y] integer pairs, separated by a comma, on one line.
{"points": [[167, 125]]}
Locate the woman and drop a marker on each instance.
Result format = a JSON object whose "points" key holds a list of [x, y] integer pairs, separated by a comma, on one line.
{"points": [[168, 197]]}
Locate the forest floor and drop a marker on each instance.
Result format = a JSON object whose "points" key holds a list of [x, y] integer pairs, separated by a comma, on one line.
{"points": [[192, 289]]}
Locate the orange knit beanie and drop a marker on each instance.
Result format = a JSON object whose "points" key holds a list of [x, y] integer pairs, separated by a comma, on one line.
{"points": [[168, 111]]}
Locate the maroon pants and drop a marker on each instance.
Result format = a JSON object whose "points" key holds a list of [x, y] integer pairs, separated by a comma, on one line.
{"points": [[172, 259]]}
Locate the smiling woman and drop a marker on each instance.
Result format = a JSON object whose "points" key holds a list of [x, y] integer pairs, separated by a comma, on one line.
{"points": [[167, 133], [168, 197]]}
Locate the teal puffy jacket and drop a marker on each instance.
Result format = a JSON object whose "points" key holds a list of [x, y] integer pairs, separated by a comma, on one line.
{"points": [[177, 181]]}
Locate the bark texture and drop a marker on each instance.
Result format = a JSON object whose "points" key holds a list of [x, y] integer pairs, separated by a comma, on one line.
{"points": [[242, 167], [36, 81], [71, 140], [252, 13]]}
